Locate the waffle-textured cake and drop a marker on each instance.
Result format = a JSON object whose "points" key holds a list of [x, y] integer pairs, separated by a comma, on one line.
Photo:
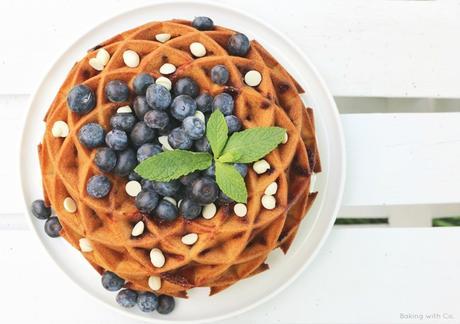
{"points": [[229, 248]]}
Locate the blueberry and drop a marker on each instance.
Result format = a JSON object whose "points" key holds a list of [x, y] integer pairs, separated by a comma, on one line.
{"points": [[219, 74], [202, 145], [117, 140], [146, 201], [40, 210], [142, 82], [81, 99], [203, 23], [126, 162], [105, 159], [211, 171], [158, 96], [188, 179], [167, 188], [166, 304], [53, 227], [233, 123], [223, 102], [224, 199], [141, 134], [238, 45], [140, 107], [98, 186], [166, 211], [134, 176], [111, 281], [180, 194], [147, 150], [165, 131], [127, 298], [186, 86], [123, 121], [183, 106], [148, 185], [204, 102], [190, 209], [156, 119], [204, 191], [178, 139], [117, 91], [147, 301], [91, 135], [193, 127], [241, 168]]}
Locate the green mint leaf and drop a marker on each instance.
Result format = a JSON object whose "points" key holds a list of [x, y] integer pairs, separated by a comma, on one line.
{"points": [[231, 182], [170, 165], [228, 157], [217, 132], [252, 144]]}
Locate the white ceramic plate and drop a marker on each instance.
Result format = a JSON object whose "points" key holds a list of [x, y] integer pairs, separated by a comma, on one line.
{"points": [[315, 228]]}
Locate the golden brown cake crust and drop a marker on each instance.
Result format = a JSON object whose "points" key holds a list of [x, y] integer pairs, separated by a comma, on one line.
{"points": [[229, 248]]}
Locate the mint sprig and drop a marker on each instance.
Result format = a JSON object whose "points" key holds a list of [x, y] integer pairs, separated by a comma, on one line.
{"points": [[170, 165], [242, 147]]}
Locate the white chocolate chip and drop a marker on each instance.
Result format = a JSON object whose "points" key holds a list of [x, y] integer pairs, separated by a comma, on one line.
{"points": [[138, 229], [103, 56], [133, 188], [269, 202], [190, 239], [96, 64], [70, 205], [60, 129], [131, 58], [157, 258], [200, 115], [240, 209], [154, 283], [165, 82], [85, 245], [271, 189], [163, 37], [124, 110], [167, 68], [100, 60], [171, 200], [285, 139], [165, 143], [253, 78], [209, 211], [197, 49], [261, 166], [313, 182]]}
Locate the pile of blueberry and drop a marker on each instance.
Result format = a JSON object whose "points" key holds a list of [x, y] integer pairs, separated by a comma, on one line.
{"points": [[161, 119], [146, 301]]}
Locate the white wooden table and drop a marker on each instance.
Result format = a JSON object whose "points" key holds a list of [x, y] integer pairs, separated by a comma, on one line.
{"points": [[394, 68]]}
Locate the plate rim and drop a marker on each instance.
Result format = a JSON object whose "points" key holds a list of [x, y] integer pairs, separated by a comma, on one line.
{"points": [[328, 96]]}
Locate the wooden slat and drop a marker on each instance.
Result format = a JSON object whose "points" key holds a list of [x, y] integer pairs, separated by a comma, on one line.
{"points": [[402, 158], [363, 48], [13, 109], [360, 276]]}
